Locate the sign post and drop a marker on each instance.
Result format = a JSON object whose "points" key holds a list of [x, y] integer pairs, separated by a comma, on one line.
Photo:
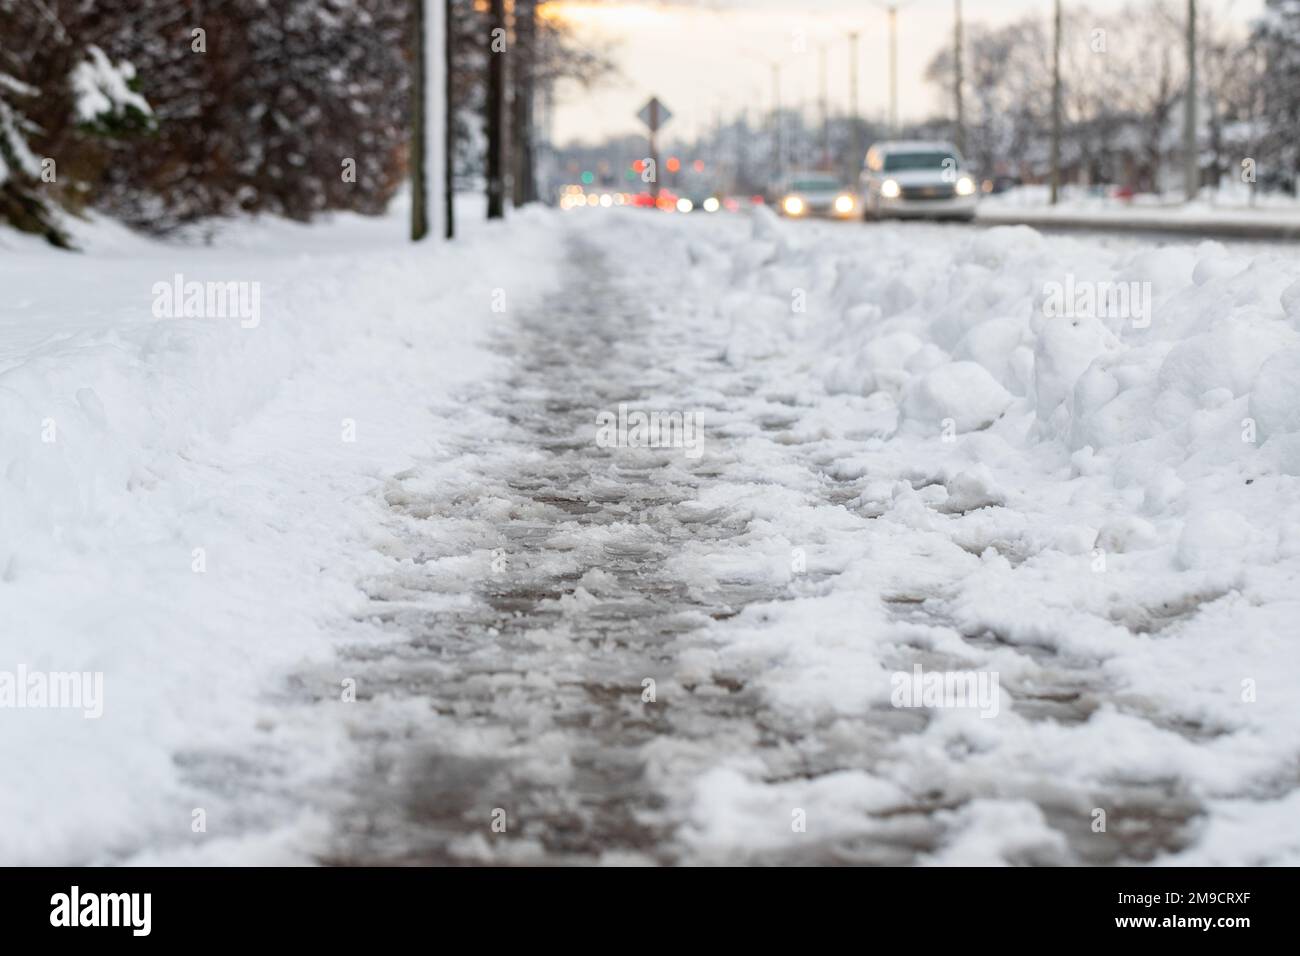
{"points": [[654, 114]]}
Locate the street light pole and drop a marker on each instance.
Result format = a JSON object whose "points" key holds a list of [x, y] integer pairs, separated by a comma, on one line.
{"points": [[1056, 103], [960, 138], [892, 7], [778, 151], [893, 70], [778, 154], [823, 95], [853, 97]]}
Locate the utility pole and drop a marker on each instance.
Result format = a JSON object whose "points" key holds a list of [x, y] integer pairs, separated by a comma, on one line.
{"points": [[825, 110], [544, 131], [522, 102], [778, 154], [778, 151], [892, 7], [893, 70], [958, 78], [496, 110], [1191, 161], [1056, 103], [853, 102]]}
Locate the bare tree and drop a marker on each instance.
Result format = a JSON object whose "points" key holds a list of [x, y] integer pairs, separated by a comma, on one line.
{"points": [[1229, 64], [1007, 106]]}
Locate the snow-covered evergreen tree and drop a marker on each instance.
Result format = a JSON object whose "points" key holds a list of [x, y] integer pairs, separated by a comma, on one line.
{"points": [[22, 203], [105, 95], [54, 90], [16, 157]]}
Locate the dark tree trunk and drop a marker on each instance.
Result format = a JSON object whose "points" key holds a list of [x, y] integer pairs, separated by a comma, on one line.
{"points": [[449, 131], [496, 110], [419, 159]]}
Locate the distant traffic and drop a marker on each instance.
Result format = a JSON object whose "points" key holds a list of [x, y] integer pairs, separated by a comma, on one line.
{"points": [[905, 179]]}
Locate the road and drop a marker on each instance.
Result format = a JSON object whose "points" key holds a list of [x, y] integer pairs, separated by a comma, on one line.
{"points": [[1257, 236], [1263, 227]]}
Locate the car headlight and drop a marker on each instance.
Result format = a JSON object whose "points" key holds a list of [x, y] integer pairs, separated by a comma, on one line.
{"points": [[890, 189], [844, 204], [685, 205], [965, 186], [711, 204], [792, 205]]}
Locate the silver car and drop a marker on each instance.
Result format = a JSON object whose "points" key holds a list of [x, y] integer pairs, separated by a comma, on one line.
{"points": [[917, 179]]}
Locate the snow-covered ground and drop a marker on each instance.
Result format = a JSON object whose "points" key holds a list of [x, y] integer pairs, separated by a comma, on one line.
{"points": [[1111, 525], [128, 443], [916, 452]]}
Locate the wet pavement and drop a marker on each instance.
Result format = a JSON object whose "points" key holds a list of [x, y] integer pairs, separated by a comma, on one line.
{"points": [[550, 681]]}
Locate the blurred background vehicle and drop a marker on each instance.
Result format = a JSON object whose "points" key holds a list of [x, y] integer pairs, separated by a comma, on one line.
{"points": [[816, 194], [1000, 183], [917, 179]]}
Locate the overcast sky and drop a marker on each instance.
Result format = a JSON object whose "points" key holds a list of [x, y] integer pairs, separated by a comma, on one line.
{"points": [[713, 56]]}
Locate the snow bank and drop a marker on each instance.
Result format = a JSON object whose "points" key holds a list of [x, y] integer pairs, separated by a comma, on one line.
{"points": [[964, 393], [187, 505], [1094, 494]]}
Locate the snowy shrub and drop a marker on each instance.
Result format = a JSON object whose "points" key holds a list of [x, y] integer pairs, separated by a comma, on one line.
{"points": [[106, 95], [16, 157]]}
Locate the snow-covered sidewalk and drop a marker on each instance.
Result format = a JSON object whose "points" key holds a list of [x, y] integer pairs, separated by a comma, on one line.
{"points": [[188, 505], [924, 447]]}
